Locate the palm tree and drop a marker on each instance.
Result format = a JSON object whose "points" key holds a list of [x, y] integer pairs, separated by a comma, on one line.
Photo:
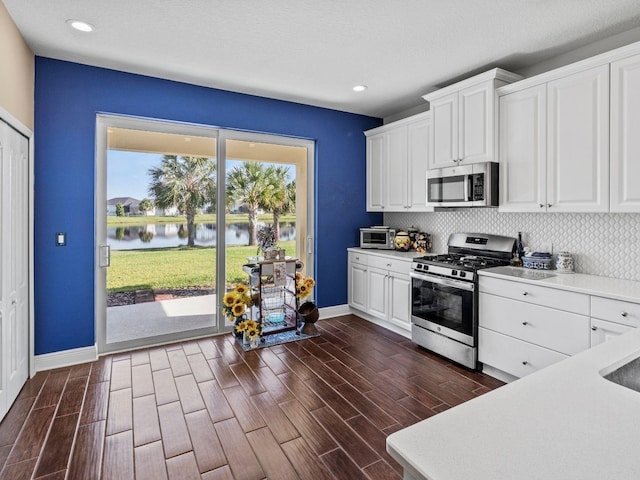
{"points": [[281, 201], [248, 184], [188, 183]]}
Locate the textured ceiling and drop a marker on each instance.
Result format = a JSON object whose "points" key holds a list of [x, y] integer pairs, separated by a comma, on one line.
{"points": [[312, 51]]}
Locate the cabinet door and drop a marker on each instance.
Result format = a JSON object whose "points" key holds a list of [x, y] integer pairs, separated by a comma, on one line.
{"points": [[578, 142], [395, 165], [357, 286], [418, 138], [602, 331], [625, 141], [444, 136], [378, 294], [375, 173], [400, 300], [476, 123], [523, 150]]}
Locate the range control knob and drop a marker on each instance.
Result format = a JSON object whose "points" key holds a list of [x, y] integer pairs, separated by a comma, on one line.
{"points": [[463, 274]]}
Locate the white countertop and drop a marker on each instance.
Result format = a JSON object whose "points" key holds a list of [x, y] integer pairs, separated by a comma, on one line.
{"points": [[626, 290], [409, 255], [563, 422]]}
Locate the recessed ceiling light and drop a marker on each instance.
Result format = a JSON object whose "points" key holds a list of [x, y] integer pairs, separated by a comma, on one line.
{"points": [[360, 88], [80, 25]]}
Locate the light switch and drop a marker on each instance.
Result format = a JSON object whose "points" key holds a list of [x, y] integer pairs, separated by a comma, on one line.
{"points": [[61, 239]]}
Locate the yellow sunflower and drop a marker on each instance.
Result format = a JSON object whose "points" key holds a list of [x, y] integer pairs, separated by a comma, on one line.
{"points": [[252, 332], [298, 276], [238, 309], [242, 326], [229, 299], [241, 289], [309, 282], [303, 289]]}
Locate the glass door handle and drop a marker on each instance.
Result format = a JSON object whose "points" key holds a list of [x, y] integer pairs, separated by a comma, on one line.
{"points": [[309, 245], [105, 255]]}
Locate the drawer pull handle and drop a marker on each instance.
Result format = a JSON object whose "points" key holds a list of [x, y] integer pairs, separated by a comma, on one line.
{"points": [[594, 328], [524, 362], [525, 293], [388, 264], [624, 314], [541, 205], [525, 323]]}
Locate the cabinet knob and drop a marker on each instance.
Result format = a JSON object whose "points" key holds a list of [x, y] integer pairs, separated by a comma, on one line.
{"points": [[624, 314], [541, 205], [388, 264], [525, 323], [548, 205], [525, 293], [524, 362], [594, 328]]}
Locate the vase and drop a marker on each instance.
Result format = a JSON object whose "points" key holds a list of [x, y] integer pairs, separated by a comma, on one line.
{"points": [[245, 338], [309, 314]]}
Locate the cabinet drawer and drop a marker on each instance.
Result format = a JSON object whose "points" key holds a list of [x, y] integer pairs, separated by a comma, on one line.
{"points": [[513, 356], [357, 257], [546, 296], [624, 313], [603, 331], [564, 332], [390, 263]]}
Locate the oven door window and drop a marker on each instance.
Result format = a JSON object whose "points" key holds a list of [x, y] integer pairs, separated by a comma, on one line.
{"points": [[447, 189], [444, 305], [375, 238]]}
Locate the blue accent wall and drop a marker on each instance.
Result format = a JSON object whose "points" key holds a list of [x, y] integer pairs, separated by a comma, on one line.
{"points": [[67, 98]]}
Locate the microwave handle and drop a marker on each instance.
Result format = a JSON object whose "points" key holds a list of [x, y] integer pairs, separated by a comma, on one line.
{"points": [[468, 187]]}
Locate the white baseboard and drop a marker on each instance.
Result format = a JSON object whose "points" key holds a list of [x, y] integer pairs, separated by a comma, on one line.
{"points": [[334, 311], [66, 358]]}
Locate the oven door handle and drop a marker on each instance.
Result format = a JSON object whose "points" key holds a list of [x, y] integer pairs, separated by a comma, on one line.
{"points": [[443, 281]]}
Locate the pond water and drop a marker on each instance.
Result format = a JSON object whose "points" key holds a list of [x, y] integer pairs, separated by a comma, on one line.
{"points": [[175, 234]]}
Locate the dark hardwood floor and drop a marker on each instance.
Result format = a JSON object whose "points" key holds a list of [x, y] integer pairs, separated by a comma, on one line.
{"points": [[205, 409]]}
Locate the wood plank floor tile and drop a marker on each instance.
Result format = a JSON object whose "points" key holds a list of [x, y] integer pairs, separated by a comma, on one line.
{"points": [[272, 361], [332, 398], [273, 385], [206, 445], [417, 408], [146, 426], [321, 370], [81, 370], [101, 370], [316, 436], [215, 401], [273, 460], [52, 389], [242, 461], [14, 420], [229, 354], [183, 467], [247, 379], [72, 396], [32, 436], [382, 471], [86, 459], [296, 366], [61, 475], [191, 347], [208, 348], [140, 357], [379, 382], [200, 367], [252, 359], [304, 394], [165, 387], [189, 394], [179, 363], [350, 377], [158, 358], [55, 453], [403, 416], [118, 462], [282, 429], [366, 407], [149, 462], [96, 403], [342, 466], [4, 454], [19, 471], [34, 385], [427, 397], [121, 374], [222, 473], [120, 413], [244, 410], [375, 438], [173, 427], [223, 373], [308, 467], [349, 440], [142, 380]]}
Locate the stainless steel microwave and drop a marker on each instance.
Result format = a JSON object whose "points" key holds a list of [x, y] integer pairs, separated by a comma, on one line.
{"points": [[377, 237], [474, 185]]}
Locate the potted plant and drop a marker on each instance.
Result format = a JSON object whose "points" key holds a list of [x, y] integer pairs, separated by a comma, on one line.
{"points": [[236, 302], [266, 237]]}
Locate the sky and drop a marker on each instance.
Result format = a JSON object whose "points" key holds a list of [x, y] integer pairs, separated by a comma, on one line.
{"points": [[127, 173]]}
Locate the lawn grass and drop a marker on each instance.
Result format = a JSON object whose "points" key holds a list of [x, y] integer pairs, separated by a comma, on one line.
{"points": [[204, 218], [177, 267]]}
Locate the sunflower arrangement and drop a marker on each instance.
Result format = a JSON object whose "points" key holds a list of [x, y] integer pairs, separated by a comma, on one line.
{"points": [[304, 286], [236, 302], [252, 328]]}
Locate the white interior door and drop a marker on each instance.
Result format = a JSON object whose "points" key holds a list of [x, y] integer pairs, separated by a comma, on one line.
{"points": [[14, 264]]}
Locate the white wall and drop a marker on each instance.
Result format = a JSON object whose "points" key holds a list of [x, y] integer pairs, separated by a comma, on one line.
{"points": [[606, 244]]}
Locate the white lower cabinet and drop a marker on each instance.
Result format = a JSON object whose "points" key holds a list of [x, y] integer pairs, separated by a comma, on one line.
{"points": [[523, 327], [610, 318], [380, 286]]}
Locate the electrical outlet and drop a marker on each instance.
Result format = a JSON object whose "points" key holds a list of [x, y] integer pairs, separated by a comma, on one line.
{"points": [[61, 239]]}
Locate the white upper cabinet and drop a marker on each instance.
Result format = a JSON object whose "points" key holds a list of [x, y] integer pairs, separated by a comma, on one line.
{"points": [[625, 137], [554, 144], [578, 142], [523, 150], [463, 115], [397, 161]]}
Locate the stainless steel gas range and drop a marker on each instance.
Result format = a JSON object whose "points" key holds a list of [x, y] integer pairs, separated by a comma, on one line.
{"points": [[444, 294]]}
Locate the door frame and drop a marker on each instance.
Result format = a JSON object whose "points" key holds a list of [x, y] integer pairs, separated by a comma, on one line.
{"points": [[16, 124]]}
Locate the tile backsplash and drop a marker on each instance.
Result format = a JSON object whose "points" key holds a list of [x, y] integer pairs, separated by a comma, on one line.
{"points": [[606, 244]]}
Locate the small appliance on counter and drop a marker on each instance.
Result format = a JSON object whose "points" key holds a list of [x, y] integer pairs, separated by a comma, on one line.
{"points": [[381, 237], [474, 185]]}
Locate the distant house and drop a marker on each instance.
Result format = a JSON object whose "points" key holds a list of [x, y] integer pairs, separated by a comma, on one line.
{"points": [[130, 205]]}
